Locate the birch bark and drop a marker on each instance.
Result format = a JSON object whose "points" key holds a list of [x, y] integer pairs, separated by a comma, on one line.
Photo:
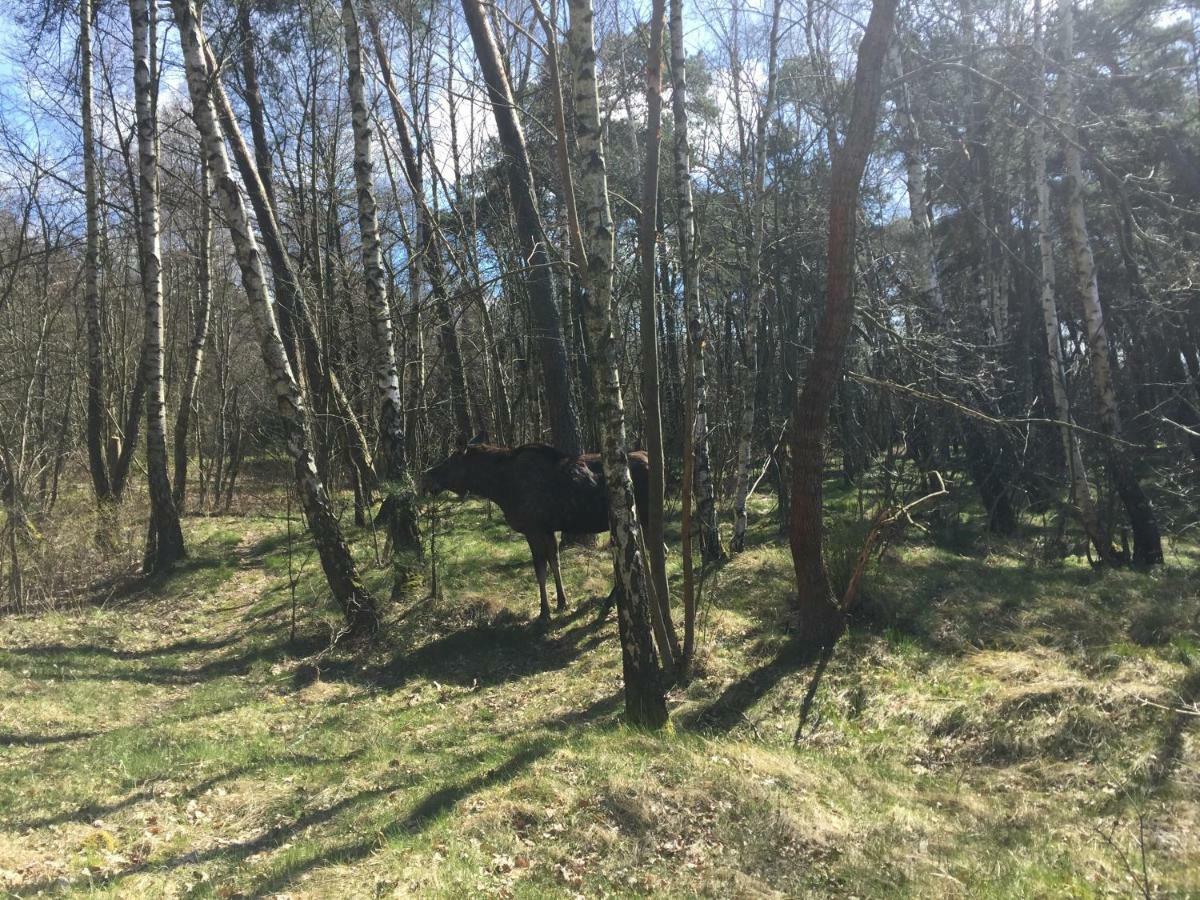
{"points": [[697, 406], [664, 628], [200, 322], [1080, 490], [544, 315], [357, 604], [645, 703], [1147, 542], [400, 506], [164, 537], [748, 382], [427, 239]]}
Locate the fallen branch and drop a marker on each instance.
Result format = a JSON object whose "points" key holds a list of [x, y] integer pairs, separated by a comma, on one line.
{"points": [[884, 519], [1193, 710]]}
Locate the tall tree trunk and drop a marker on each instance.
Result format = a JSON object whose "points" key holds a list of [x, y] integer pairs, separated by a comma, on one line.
{"points": [[254, 102], [1080, 490], [645, 703], [748, 382], [914, 167], [164, 537], [109, 454], [400, 507], [97, 464], [543, 306], [357, 604], [201, 316], [656, 551], [296, 325], [562, 151], [427, 244], [574, 252], [1147, 542], [696, 404], [819, 613]]}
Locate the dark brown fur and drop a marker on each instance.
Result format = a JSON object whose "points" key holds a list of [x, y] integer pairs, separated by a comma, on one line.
{"points": [[541, 491]]}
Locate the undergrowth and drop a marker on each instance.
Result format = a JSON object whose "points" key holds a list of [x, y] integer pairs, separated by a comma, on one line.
{"points": [[994, 724]]}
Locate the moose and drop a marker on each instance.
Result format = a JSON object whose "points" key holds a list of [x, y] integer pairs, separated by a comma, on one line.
{"points": [[541, 490]]}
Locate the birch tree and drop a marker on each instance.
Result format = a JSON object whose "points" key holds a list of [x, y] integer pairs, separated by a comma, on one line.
{"points": [[645, 703], [428, 243], [1147, 543], [918, 201], [357, 604], [201, 314], [109, 454], [400, 506], [296, 323], [699, 479], [1077, 480], [748, 382], [664, 629], [91, 267], [543, 304], [164, 537]]}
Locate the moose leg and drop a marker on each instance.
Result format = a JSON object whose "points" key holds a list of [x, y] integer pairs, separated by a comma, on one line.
{"points": [[562, 597], [614, 595], [537, 546]]}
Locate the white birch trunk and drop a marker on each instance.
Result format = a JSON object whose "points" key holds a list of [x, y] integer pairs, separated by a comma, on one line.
{"points": [[914, 168], [697, 473], [164, 537], [1080, 490], [200, 321], [400, 506], [1146, 538], [645, 703], [357, 604]]}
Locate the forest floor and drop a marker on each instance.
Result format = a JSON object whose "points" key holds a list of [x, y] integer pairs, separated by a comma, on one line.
{"points": [[994, 725]]}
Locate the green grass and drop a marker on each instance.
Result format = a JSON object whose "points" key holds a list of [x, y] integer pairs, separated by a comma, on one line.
{"points": [[993, 725]]}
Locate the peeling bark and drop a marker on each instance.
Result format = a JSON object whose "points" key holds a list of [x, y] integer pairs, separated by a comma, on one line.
{"points": [[357, 604], [645, 703], [400, 507], [164, 537]]}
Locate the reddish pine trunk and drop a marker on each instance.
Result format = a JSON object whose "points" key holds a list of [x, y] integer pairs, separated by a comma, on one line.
{"points": [[819, 614]]}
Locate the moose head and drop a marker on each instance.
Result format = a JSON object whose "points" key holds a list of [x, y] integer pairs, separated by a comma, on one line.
{"points": [[453, 473]]}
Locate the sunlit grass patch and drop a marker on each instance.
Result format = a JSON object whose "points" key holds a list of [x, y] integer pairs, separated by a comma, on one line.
{"points": [[993, 725]]}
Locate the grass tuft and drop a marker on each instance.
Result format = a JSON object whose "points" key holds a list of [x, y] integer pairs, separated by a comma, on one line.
{"points": [[993, 725]]}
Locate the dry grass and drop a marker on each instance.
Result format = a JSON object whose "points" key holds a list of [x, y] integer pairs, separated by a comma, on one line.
{"points": [[993, 726]]}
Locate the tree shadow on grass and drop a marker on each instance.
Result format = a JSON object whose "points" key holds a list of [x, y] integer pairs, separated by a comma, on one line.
{"points": [[1152, 779], [89, 661], [190, 645], [441, 800], [89, 812], [727, 710], [128, 588], [490, 653], [14, 739], [420, 816]]}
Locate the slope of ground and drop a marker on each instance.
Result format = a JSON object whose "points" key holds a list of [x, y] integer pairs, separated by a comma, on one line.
{"points": [[993, 725]]}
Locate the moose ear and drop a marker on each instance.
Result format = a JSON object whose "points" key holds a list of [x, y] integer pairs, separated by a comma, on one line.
{"points": [[480, 438]]}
